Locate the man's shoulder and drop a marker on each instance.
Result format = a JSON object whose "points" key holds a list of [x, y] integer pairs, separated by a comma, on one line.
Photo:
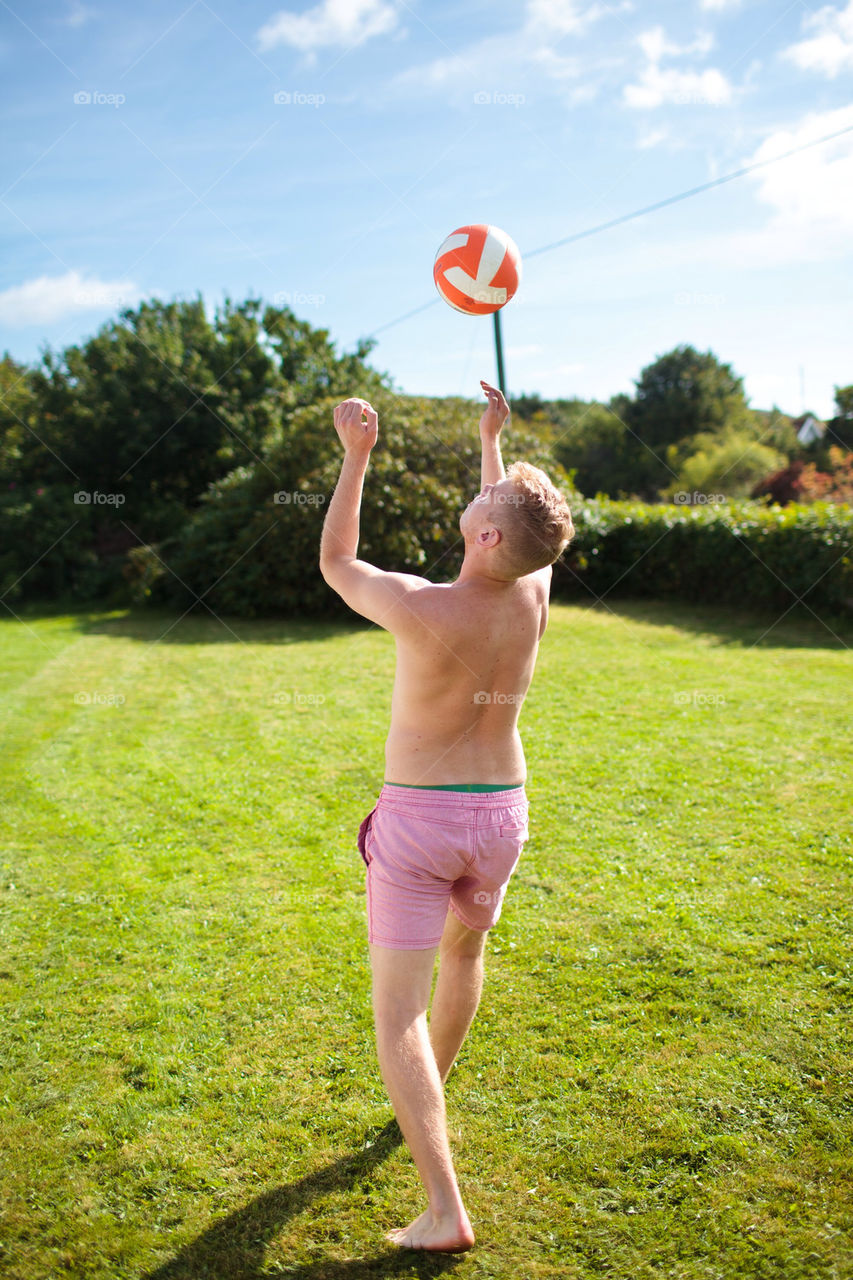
{"points": [[542, 577], [456, 604], [429, 597]]}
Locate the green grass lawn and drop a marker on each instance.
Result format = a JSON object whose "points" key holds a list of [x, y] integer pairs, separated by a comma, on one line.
{"points": [[659, 1081]]}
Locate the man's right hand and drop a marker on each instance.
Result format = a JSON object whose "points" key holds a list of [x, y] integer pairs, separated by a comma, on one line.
{"points": [[495, 414], [357, 436]]}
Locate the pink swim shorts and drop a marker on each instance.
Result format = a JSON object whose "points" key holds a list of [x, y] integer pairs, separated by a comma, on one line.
{"points": [[427, 849]]}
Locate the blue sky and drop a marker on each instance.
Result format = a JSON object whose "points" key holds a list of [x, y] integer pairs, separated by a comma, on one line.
{"points": [[318, 155]]}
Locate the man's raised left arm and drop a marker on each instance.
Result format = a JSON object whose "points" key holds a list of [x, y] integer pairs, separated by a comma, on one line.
{"points": [[373, 593]]}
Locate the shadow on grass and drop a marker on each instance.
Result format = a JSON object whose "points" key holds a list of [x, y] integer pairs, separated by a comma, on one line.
{"points": [[801, 628], [746, 627], [234, 1248], [164, 627]]}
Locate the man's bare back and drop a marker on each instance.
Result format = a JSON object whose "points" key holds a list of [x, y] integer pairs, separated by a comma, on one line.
{"points": [[463, 670]]}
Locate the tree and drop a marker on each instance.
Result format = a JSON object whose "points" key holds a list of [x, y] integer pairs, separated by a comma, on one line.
{"points": [[599, 450], [839, 430], [527, 406], [162, 402], [729, 464], [139, 420], [18, 413], [776, 429], [682, 395]]}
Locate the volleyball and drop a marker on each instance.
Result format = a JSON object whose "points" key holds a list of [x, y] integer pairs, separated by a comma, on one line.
{"points": [[477, 269]]}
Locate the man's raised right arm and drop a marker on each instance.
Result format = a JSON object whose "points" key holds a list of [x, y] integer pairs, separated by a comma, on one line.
{"points": [[494, 416]]}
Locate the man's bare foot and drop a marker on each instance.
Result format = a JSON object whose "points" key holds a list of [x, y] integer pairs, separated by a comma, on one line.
{"points": [[440, 1235]]}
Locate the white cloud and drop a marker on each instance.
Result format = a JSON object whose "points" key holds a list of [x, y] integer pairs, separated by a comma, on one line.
{"points": [[49, 298], [655, 45], [333, 22], [78, 14], [504, 63], [684, 88], [490, 60], [809, 203], [717, 5], [830, 48], [556, 66], [652, 138], [563, 17], [812, 192], [657, 85]]}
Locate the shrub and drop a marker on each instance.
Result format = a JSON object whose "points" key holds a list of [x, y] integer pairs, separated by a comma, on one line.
{"points": [[52, 547], [728, 464], [781, 486], [43, 540], [245, 553], [737, 552], [835, 484]]}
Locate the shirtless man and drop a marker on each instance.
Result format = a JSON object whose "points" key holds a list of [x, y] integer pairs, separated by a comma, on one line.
{"points": [[451, 818]]}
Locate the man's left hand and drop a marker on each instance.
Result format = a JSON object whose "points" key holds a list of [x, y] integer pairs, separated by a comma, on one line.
{"points": [[357, 425]]}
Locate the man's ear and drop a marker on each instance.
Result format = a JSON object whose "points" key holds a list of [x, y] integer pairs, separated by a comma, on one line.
{"points": [[489, 537]]}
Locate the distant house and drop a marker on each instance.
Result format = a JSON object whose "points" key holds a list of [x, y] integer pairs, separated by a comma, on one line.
{"points": [[809, 428]]}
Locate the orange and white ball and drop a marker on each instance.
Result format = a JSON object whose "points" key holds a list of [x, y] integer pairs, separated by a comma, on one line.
{"points": [[477, 269]]}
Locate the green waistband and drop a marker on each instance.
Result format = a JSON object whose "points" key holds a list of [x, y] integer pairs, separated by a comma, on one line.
{"points": [[461, 786]]}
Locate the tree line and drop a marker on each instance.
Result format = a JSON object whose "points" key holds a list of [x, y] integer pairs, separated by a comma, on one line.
{"points": [[173, 450], [688, 428]]}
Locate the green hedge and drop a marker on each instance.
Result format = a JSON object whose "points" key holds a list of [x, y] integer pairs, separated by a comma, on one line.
{"points": [[732, 552], [39, 557], [243, 553], [55, 547]]}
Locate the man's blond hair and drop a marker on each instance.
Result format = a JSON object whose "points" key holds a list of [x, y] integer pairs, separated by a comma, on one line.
{"points": [[537, 527]]}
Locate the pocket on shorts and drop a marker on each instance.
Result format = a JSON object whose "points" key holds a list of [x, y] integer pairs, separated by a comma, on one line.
{"points": [[500, 848], [363, 833]]}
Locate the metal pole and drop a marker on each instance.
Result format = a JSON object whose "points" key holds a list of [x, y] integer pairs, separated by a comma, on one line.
{"points": [[499, 351]]}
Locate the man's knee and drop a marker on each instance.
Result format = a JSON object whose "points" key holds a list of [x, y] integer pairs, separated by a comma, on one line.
{"points": [[394, 1009], [462, 943], [401, 986], [398, 1025]]}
